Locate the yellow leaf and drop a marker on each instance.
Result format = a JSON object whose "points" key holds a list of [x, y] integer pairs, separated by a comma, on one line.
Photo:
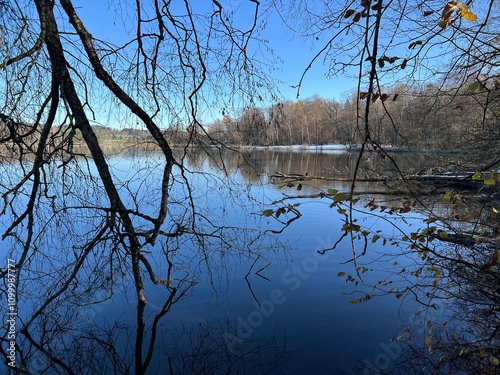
{"points": [[428, 340], [494, 361], [489, 181], [469, 16], [476, 176], [442, 233], [268, 213], [495, 210], [448, 195], [332, 191], [339, 197]]}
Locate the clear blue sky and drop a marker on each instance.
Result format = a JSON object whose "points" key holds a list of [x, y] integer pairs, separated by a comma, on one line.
{"points": [[297, 53]]}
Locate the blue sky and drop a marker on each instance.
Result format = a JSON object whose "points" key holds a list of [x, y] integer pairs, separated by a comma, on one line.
{"points": [[297, 55]]}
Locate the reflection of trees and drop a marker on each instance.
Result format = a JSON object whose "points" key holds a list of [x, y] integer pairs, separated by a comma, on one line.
{"points": [[77, 261], [203, 350], [451, 269], [441, 255], [462, 336], [253, 164]]}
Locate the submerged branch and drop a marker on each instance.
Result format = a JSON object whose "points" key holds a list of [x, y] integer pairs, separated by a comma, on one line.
{"points": [[464, 180]]}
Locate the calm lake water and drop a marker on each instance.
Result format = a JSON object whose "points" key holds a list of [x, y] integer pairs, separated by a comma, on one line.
{"points": [[304, 310], [266, 298]]}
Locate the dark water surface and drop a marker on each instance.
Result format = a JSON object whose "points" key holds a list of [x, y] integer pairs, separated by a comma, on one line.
{"points": [[276, 299]]}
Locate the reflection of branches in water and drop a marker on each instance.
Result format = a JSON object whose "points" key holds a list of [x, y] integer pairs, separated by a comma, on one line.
{"points": [[85, 230], [203, 349], [473, 300], [249, 285], [449, 266], [90, 263], [458, 330]]}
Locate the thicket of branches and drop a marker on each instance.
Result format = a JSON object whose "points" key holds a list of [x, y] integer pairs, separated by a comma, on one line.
{"points": [[82, 230], [454, 47]]}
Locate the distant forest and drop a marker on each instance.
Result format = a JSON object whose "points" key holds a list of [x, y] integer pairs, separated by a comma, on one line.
{"points": [[425, 118], [428, 117]]}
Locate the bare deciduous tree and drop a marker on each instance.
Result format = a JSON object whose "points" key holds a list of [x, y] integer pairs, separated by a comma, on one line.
{"points": [[80, 229]]}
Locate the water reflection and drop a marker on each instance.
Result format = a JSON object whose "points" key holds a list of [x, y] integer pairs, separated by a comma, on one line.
{"points": [[230, 298]]}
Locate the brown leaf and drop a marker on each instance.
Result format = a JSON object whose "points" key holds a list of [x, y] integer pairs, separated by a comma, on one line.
{"points": [[357, 17], [395, 97], [377, 6], [381, 63], [428, 13], [447, 14], [366, 3], [383, 98], [375, 97], [444, 23], [363, 95], [493, 260], [403, 65], [349, 13]]}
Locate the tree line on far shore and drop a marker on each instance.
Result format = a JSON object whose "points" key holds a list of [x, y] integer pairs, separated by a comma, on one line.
{"points": [[426, 117]]}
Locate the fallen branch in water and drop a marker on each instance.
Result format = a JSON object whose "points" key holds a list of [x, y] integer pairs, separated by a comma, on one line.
{"points": [[448, 178], [304, 177]]}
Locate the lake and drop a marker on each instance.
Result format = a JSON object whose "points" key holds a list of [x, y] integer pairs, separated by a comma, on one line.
{"points": [[267, 279]]}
